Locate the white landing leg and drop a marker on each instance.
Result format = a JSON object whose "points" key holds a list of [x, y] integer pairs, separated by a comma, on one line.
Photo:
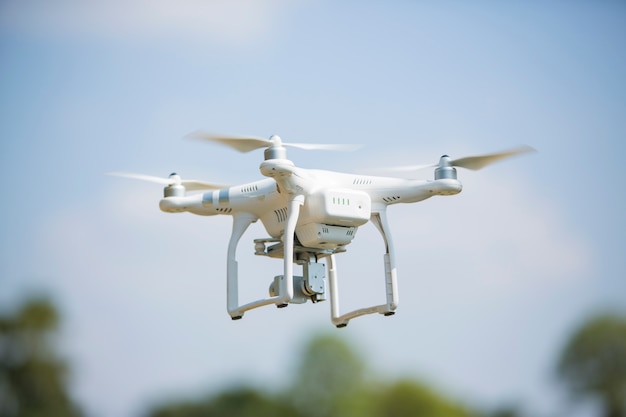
{"points": [[286, 285], [241, 221], [380, 221]]}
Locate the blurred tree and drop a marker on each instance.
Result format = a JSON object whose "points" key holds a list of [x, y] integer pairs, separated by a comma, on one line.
{"points": [[406, 398], [32, 376], [506, 411], [593, 363], [242, 402], [329, 378]]}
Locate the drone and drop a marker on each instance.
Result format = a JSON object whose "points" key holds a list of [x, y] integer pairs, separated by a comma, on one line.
{"points": [[310, 216]]}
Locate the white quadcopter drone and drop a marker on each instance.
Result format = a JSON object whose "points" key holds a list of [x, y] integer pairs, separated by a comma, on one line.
{"points": [[310, 216]]}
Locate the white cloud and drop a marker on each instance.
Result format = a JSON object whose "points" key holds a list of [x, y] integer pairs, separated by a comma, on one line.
{"points": [[231, 22]]}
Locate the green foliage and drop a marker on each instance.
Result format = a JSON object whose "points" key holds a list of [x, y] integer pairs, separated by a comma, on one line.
{"points": [[242, 402], [32, 376], [330, 381], [328, 378], [408, 398], [594, 363]]}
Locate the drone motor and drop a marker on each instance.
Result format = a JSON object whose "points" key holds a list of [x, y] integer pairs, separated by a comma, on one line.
{"points": [[445, 170], [175, 189]]}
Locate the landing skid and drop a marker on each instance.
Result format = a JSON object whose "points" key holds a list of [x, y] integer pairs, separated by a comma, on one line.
{"points": [[284, 289]]}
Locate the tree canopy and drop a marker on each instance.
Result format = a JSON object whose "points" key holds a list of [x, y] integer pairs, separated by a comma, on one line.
{"points": [[240, 402], [330, 380], [593, 363], [32, 375]]}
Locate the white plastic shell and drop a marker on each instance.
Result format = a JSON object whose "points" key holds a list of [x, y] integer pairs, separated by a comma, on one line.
{"points": [[339, 207], [324, 236]]}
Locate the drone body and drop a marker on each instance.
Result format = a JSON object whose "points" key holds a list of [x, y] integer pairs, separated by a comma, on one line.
{"points": [[309, 215]]}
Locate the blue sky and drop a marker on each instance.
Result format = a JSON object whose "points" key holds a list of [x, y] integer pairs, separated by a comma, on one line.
{"points": [[491, 280]]}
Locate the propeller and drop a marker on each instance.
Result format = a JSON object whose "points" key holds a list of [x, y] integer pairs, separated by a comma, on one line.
{"points": [[472, 162], [250, 143], [173, 179]]}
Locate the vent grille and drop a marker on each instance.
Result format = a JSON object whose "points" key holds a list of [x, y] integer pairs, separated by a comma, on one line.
{"points": [[224, 210], [391, 199], [281, 214], [362, 181], [249, 188]]}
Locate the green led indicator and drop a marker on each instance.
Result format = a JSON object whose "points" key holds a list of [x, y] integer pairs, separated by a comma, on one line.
{"points": [[341, 201]]}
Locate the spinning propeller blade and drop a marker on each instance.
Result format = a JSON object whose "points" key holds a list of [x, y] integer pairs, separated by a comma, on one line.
{"points": [[481, 161], [250, 143], [473, 162], [173, 179], [239, 143], [323, 146]]}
